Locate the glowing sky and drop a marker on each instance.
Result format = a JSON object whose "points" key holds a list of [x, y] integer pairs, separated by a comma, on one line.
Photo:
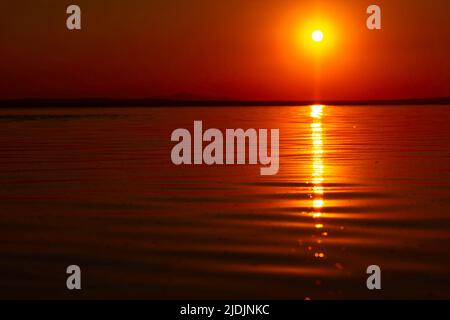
{"points": [[240, 49]]}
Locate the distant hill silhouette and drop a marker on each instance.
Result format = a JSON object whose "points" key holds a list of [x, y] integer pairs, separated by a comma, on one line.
{"points": [[186, 101]]}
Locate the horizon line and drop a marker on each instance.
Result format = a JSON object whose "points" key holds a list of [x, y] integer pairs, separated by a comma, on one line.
{"points": [[173, 102]]}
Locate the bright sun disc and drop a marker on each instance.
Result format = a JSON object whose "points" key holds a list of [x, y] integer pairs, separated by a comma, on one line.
{"points": [[317, 36]]}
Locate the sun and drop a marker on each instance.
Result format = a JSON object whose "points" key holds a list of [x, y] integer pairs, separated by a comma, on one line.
{"points": [[317, 36]]}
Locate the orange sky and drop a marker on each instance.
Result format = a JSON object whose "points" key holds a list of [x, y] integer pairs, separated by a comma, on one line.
{"points": [[241, 49]]}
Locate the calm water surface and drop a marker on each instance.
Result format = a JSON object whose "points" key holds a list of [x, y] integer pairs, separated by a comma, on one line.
{"points": [[96, 187]]}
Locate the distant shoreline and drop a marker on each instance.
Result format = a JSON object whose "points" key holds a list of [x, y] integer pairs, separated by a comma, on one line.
{"points": [[86, 103]]}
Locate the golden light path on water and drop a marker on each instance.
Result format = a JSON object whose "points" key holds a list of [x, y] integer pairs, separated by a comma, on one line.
{"points": [[317, 175]]}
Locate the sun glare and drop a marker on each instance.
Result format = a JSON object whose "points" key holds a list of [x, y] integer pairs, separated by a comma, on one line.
{"points": [[317, 36]]}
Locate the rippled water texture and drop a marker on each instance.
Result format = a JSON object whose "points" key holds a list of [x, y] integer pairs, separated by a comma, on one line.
{"points": [[96, 188]]}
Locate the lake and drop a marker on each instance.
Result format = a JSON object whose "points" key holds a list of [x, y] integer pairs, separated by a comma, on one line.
{"points": [[95, 187]]}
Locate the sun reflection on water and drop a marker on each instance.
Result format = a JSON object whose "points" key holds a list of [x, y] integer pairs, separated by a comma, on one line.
{"points": [[317, 175]]}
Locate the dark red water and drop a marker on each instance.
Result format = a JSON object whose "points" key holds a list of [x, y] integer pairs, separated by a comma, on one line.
{"points": [[95, 187]]}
